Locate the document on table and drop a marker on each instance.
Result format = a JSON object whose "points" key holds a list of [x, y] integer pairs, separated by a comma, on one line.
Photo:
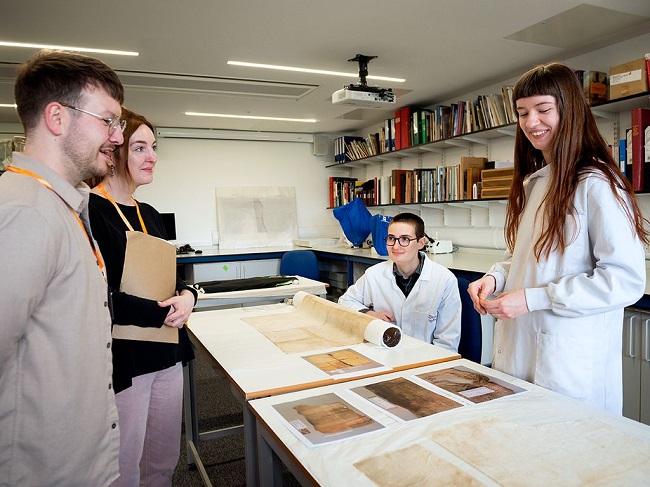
{"points": [[405, 400], [318, 324], [325, 418], [470, 384], [340, 364]]}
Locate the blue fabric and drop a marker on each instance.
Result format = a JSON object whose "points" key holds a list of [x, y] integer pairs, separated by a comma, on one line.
{"points": [[471, 333], [355, 219], [379, 229]]}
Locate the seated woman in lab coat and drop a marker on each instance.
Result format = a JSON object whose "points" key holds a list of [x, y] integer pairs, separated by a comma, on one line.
{"points": [[418, 295]]}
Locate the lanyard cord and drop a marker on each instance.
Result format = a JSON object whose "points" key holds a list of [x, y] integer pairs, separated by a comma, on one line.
{"points": [[137, 208], [96, 253]]}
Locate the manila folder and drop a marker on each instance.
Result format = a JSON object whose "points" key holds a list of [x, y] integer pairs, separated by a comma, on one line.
{"points": [[149, 272]]}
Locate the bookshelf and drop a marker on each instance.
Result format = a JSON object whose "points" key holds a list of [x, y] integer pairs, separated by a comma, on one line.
{"points": [[608, 110], [613, 118], [479, 137]]}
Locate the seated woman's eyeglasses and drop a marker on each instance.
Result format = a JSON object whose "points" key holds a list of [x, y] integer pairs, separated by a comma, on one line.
{"points": [[404, 240]]}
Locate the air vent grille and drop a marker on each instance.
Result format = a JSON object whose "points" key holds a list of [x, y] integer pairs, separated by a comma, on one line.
{"points": [[215, 85]]}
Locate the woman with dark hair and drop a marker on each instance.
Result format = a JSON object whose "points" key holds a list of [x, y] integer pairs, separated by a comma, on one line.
{"points": [[575, 257], [147, 375]]}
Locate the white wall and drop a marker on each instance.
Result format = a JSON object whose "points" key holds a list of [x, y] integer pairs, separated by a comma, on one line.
{"points": [[188, 171]]}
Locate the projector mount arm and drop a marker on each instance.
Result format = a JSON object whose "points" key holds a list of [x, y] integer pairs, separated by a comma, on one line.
{"points": [[363, 61]]}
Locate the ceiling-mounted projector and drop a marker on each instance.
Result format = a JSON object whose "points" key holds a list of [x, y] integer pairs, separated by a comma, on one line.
{"points": [[362, 95]]}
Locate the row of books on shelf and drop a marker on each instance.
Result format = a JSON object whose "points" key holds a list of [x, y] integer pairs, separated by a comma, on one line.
{"points": [[475, 178], [633, 152], [414, 126], [472, 178], [342, 190]]}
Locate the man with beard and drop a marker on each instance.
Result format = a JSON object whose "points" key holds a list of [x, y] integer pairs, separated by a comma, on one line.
{"points": [[57, 408]]}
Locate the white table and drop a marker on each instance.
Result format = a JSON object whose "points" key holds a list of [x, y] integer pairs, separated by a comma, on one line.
{"points": [[534, 416], [254, 367]]}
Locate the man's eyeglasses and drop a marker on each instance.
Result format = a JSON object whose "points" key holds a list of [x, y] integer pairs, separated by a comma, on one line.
{"points": [[404, 240], [112, 123]]}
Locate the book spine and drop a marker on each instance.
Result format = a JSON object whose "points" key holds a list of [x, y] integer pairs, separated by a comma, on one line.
{"points": [[622, 156], [640, 119], [405, 117], [398, 129]]}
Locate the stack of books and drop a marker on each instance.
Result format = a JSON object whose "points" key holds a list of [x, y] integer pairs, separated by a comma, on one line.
{"points": [[495, 183]]}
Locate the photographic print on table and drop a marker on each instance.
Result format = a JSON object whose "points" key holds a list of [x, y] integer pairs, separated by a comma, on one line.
{"points": [[323, 419], [344, 363], [470, 384], [404, 399]]}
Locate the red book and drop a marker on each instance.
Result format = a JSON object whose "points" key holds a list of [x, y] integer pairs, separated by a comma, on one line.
{"points": [[405, 121], [640, 120]]}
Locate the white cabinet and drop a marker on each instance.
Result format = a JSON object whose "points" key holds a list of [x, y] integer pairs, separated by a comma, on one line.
{"points": [[636, 365], [257, 268], [217, 271]]}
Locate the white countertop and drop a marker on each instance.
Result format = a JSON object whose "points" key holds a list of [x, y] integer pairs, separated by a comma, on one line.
{"points": [[464, 259]]}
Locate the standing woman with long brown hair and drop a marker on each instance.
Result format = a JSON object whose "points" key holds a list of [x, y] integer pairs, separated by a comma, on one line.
{"points": [[575, 257]]}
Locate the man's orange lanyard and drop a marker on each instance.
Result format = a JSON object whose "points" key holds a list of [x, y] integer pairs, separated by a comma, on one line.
{"points": [[97, 254], [137, 208]]}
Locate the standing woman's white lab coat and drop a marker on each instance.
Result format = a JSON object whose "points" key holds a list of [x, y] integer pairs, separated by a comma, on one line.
{"points": [[571, 340]]}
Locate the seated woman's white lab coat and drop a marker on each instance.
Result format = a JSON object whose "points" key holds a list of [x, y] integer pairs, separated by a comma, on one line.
{"points": [[571, 340], [430, 313]]}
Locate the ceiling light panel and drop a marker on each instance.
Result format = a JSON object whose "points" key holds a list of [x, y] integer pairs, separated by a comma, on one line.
{"points": [[251, 117], [67, 48], [312, 71]]}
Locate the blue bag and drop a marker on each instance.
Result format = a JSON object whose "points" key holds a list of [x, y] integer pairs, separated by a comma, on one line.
{"points": [[379, 229], [355, 219]]}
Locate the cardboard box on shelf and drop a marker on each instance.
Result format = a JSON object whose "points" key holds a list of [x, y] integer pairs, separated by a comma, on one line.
{"points": [[630, 78]]}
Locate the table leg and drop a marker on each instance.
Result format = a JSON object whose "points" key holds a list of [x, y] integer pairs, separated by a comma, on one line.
{"points": [[270, 466], [250, 438], [191, 418]]}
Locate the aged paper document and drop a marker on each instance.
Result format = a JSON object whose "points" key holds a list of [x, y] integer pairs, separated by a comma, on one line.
{"points": [[325, 418], [316, 324], [414, 466], [344, 363], [469, 384], [149, 272], [405, 399], [536, 454]]}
